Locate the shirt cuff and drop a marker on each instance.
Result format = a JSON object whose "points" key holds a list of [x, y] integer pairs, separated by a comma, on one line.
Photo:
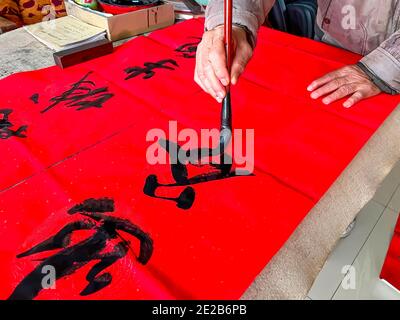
{"points": [[244, 18], [377, 81], [385, 67]]}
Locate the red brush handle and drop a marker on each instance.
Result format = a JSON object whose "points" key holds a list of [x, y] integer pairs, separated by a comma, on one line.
{"points": [[228, 8], [226, 110]]}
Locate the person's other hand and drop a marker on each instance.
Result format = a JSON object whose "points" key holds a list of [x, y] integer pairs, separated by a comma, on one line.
{"points": [[348, 81], [211, 72]]}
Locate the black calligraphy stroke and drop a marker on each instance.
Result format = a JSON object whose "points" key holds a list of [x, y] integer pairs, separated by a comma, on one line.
{"points": [[180, 174], [5, 126], [188, 50], [83, 95], [149, 67], [71, 258], [34, 98]]}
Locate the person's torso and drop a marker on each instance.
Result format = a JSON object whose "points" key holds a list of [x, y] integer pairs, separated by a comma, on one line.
{"points": [[358, 25]]}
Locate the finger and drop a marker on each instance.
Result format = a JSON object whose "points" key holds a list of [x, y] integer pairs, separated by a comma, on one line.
{"points": [[340, 93], [209, 88], [242, 56], [199, 57], [216, 87], [198, 81], [329, 87], [206, 72], [355, 98], [364, 92], [323, 80], [217, 58], [199, 77], [200, 73]]}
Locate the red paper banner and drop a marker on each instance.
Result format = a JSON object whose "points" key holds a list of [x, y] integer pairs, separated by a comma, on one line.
{"points": [[77, 194]]}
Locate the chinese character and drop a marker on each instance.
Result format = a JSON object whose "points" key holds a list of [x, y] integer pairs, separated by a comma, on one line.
{"points": [[73, 257], [188, 50], [83, 94], [5, 126], [148, 69], [180, 174]]}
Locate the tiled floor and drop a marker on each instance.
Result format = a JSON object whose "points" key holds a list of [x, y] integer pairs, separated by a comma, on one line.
{"points": [[352, 270]]}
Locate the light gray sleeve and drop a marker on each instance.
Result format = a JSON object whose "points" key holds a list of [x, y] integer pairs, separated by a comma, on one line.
{"points": [[248, 13], [384, 62]]}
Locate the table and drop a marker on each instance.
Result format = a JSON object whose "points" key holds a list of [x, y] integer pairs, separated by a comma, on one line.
{"points": [[292, 271]]}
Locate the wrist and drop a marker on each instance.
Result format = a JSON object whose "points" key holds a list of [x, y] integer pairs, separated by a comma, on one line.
{"points": [[242, 29], [249, 35]]}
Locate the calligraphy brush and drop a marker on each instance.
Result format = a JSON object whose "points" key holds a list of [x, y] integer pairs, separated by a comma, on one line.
{"points": [[226, 111]]}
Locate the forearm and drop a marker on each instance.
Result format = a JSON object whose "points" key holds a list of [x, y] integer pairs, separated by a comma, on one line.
{"points": [[384, 63], [248, 13]]}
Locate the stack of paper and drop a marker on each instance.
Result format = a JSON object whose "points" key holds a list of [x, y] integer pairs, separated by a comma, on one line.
{"points": [[65, 33]]}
